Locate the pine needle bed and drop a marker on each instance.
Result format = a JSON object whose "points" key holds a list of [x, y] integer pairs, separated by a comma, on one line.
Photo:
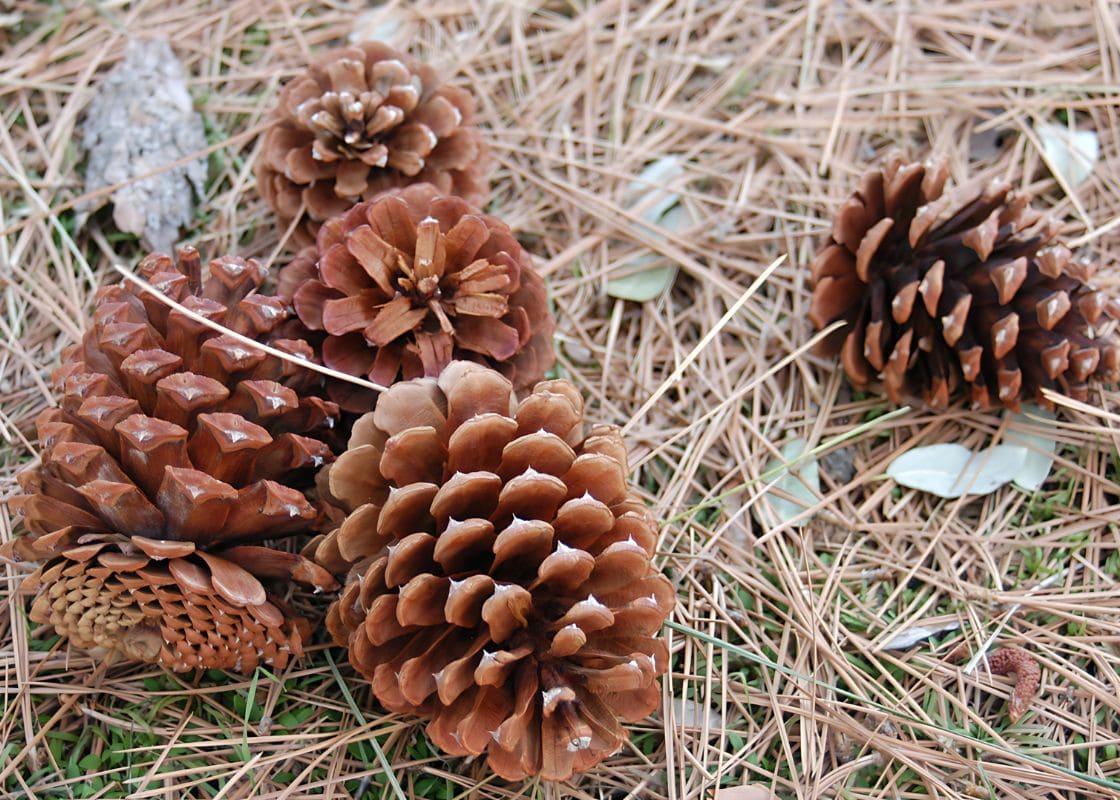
{"points": [[780, 674]]}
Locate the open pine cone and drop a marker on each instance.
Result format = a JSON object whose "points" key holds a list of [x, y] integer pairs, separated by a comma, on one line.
{"points": [[362, 120], [941, 295], [499, 576], [409, 281], [175, 450]]}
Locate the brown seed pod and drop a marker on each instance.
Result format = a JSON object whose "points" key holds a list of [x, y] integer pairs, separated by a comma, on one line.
{"points": [[498, 572], [941, 295], [1028, 678], [364, 119], [174, 452], [401, 285]]}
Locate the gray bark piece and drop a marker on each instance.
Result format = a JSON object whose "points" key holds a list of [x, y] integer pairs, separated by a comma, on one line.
{"points": [[141, 120]]}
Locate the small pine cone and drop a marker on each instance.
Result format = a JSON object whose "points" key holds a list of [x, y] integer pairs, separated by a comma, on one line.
{"points": [[174, 451], [1028, 678], [411, 280], [499, 576], [362, 120], [941, 296]]}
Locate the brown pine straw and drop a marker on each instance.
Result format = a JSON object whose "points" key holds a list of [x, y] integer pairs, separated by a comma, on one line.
{"points": [[781, 676]]}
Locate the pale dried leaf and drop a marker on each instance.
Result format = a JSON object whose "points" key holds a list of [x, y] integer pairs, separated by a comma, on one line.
{"points": [[689, 714], [803, 483], [385, 23], [1040, 448], [648, 193], [990, 469], [749, 792], [141, 120], [648, 283], [951, 470], [1071, 154], [647, 276], [908, 637]]}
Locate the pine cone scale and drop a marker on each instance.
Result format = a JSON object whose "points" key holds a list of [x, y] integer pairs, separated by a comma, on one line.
{"points": [[374, 255]]}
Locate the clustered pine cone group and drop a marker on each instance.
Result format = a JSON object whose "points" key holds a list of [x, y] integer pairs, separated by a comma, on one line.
{"points": [[362, 120], [498, 574], [940, 296], [401, 285], [174, 451]]}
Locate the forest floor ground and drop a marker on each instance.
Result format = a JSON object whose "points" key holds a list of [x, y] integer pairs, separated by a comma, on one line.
{"points": [[786, 671]]}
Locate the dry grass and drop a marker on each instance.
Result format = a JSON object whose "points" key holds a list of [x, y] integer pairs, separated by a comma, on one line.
{"points": [[776, 107]]}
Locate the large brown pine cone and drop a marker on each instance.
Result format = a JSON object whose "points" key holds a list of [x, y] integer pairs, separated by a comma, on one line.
{"points": [[364, 119], [174, 451], [498, 579], [407, 282], [940, 295]]}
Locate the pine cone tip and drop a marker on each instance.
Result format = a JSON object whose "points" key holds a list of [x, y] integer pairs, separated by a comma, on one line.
{"points": [[400, 286]]}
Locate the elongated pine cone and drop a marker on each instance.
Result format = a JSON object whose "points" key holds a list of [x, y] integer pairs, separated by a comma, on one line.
{"points": [[407, 282], [174, 451], [499, 579], [940, 296], [364, 119]]}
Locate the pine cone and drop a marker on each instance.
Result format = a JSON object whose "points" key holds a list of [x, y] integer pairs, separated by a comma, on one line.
{"points": [[362, 120], [938, 296], [499, 580], [174, 452], [411, 280]]}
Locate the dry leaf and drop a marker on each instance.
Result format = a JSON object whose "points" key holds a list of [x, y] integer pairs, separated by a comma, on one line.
{"points": [[652, 273], [1071, 154], [647, 276], [803, 483], [689, 714], [749, 792], [1040, 448], [951, 470], [141, 120], [387, 23], [908, 637]]}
